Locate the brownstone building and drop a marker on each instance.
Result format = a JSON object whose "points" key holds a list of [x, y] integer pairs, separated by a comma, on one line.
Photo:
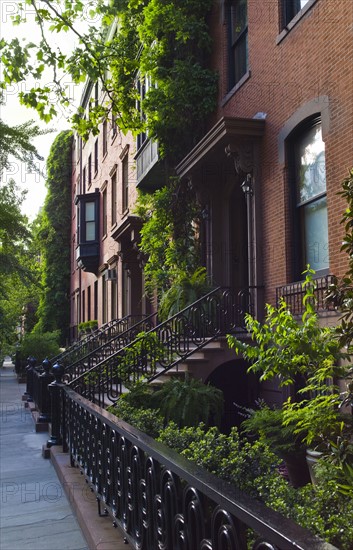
{"points": [[267, 171]]}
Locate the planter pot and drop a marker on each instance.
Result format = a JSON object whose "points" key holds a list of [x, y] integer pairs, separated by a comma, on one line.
{"points": [[311, 458], [297, 468]]}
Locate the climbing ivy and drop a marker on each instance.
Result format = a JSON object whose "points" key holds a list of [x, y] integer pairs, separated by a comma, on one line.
{"points": [[169, 235], [53, 236]]}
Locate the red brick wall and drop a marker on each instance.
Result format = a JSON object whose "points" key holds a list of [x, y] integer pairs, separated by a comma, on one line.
{"points": [[314, 59]]}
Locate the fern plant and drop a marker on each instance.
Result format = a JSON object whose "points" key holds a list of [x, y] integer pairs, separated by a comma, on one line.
{"points": [[185, 290], [189, 402]]}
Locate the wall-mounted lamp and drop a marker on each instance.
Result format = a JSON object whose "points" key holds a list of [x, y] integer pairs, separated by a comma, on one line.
{"points": [[247, 186], [205, 213]]}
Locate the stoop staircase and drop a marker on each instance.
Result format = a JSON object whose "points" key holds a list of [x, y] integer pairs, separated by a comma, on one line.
{"points": [[197, 365], [172, 348]]}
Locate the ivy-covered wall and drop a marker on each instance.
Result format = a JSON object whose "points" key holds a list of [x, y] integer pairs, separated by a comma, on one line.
{"points": [[54, 239]]}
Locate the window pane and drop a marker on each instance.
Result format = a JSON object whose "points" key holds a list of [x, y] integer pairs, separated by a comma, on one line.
{"points": [[241, 58], [89, 211], [90, 231], [239, 18], [316, 234], [311, 169]]}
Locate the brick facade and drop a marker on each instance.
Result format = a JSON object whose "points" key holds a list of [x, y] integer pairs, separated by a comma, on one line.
{"points": [[293, 74]]}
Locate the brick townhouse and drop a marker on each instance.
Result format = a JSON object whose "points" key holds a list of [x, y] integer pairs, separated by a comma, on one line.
{"points": [[267, 171]]}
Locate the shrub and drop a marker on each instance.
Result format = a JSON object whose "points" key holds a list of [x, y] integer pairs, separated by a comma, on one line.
{"points": [[148, 421], [40, 345]]}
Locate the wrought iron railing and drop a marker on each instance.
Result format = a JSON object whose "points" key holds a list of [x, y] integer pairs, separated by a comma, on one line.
{"points": [[218, 313], [95, 339], [108, 348], [161, 500], [293, 295]]}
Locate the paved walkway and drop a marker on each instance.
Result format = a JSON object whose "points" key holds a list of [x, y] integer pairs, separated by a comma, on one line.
{"points": [[34, 511]]}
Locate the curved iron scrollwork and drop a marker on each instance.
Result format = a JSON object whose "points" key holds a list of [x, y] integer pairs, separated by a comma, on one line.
{"points": [[160, 500], [168, 344]]}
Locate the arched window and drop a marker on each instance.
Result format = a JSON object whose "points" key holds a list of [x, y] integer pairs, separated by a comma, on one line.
{"points": [[308, 181]]}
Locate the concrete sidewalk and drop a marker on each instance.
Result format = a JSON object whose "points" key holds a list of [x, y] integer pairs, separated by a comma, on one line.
{"points": [[44, 504]]}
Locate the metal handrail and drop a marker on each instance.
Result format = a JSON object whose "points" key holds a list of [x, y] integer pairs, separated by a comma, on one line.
{"points": [[293, 294], [79, 348], [89, 361], [217, 313]]}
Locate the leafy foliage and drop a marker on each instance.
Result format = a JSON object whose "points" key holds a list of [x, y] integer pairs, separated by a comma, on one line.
{"points": [[252, 467], [149, 421], [53, 237], [16, 141], [168, 238], [318, 417], [163, 42], [185, 290], [18, 263], [268, 424], [40, 345], [341, 292], [288, 347], [188, 402]]}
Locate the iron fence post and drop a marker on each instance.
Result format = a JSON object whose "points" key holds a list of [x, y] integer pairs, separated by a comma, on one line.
{"points": [[44, 396], [29, 373], [55, 390]]}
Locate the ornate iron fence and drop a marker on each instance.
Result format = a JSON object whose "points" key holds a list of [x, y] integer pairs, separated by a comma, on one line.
{"points": [[218, 313], [161, 500], [293, 295]]}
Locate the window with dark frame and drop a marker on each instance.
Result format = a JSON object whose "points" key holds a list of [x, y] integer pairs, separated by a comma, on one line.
{"points": [[114, 127], [307, 175], [113, 198], [238, 64], [89, 170], [95, 299], [104, 212], [83, 303], [105, 138], [90, 221], [96, 157], [84, 180], [88, 303], [290, 8], [125, 183]]}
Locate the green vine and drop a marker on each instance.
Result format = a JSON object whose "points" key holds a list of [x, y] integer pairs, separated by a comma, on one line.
{"points": [[168, 236]]}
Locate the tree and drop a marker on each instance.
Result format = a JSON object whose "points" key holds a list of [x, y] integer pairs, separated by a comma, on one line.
{"points": [[53, 237], [16, 141], [163, 44], [18, 266]]}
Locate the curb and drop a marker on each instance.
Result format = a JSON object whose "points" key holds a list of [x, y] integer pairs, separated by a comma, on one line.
{"points": [[97, 530]]}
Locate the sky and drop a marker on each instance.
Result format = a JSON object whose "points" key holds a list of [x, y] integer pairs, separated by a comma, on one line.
{"points": [[13, 113]]}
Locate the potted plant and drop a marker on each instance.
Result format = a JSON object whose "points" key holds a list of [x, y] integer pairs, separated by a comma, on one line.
{"points": [[319, 417], [268, 424]]}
